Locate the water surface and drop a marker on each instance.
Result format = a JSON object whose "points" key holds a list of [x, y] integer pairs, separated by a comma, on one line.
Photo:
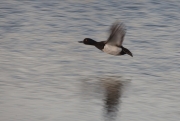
{"points": [[47, 75]]}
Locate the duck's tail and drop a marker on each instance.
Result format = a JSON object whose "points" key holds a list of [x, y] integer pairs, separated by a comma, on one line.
{"points": [[126, 51]]}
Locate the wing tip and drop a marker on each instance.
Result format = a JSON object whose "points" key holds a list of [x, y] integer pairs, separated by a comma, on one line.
{"points": [[118, 26]]}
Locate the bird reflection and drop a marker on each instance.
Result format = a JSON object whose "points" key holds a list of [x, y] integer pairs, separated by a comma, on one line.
{"points": [[107, 89], [112, 93]]}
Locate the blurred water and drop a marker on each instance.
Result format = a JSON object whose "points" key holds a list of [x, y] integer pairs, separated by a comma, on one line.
{"points": [[47, 75]]}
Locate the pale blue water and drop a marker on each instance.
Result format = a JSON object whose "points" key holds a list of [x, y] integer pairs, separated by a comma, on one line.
{"points": [[45, 74]]}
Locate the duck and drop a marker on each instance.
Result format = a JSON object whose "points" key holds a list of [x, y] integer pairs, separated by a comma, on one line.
{"points": [[113, 45]]}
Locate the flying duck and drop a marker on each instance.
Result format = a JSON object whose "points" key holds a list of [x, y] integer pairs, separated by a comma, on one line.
{"points": [[113, 45]]}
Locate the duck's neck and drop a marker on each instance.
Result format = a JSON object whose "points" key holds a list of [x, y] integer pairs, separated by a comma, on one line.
{"points": [[93, 42], [100, 45]]}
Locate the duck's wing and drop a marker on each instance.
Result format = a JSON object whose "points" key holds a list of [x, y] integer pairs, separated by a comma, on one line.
{"points": [[117, 32]]}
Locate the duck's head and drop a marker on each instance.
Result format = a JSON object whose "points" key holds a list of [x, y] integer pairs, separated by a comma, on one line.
{"points": [[88, 41]]}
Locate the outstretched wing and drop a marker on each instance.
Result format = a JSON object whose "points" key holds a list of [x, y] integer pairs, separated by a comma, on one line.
{"points": [[117, 33]]}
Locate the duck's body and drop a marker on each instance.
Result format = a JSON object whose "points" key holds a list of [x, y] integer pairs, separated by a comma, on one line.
{"points": [[113, 50], [113, 45]]}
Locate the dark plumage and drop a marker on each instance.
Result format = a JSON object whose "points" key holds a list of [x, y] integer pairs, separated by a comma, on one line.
{"points": [[113, 45]]}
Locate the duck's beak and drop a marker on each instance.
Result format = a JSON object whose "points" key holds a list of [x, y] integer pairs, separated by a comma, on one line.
{"points": [[80, 41]]}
